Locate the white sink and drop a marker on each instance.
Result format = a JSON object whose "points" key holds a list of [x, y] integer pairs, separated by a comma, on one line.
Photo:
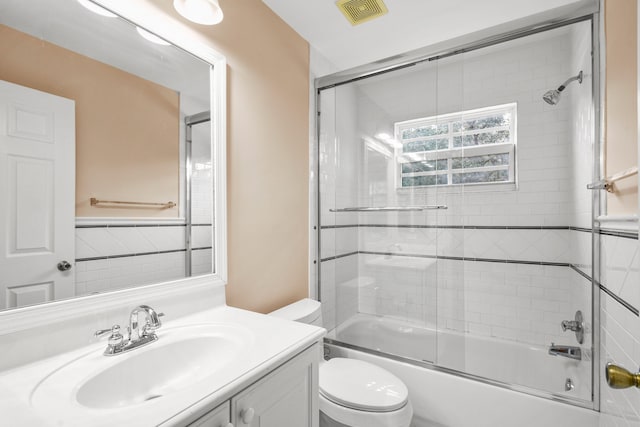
{"points": [[180, 360]]}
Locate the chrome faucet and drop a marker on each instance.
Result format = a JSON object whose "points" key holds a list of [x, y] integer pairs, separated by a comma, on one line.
{"points": [[569, 351], [139, 333], [151, 323]]}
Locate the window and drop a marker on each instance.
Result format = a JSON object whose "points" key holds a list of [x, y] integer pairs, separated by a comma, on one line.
{"points": [[467, 147]]}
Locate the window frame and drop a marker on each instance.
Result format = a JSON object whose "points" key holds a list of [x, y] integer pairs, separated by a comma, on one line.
{"points": [[452, 152]]}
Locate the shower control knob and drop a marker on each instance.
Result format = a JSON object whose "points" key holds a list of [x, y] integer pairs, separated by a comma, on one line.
{"points": [[576, 325], [64, 266], [572, 325]]}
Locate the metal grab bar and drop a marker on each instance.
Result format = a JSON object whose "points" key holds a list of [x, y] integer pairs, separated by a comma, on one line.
{"points": [[391, 208], [607, 183], [95, 202]]}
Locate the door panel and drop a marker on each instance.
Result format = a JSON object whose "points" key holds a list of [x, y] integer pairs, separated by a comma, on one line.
{"points": [[37, 196], [31, 205]]}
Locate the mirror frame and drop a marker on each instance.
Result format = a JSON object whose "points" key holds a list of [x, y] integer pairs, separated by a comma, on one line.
{"points": [[189, 40]]}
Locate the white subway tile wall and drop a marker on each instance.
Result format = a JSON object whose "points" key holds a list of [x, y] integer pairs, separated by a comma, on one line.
{"points": [[620, 259], [201, 236], [619, 328], [118, 273], [111, 241], [201, 261], [133, 258], [202, 175]]}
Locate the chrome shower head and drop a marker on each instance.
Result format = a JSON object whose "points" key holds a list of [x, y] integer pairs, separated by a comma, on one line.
{"points": [[552, 97]]}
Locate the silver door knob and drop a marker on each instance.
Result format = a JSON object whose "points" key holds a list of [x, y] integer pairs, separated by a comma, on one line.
{"points": [[64, 266]]}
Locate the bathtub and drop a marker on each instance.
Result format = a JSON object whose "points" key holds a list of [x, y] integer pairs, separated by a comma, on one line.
{"points": [[522, 373]]}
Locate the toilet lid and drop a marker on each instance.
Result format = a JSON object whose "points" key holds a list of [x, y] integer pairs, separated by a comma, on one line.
{"points": [[361, 385]]}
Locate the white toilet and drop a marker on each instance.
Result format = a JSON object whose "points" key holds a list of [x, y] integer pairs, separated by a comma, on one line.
{"points": [[353, 393]]}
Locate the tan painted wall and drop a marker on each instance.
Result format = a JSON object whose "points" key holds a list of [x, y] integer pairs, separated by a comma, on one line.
{"points": [[113, 160], [268, 153], [621, 102]]}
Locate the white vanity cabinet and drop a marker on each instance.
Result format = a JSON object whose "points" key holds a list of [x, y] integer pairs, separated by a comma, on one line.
{"points": [[286, 397], [219, 417]]}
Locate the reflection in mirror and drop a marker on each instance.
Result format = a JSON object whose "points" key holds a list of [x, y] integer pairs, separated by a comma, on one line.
{"points": [[89, 102]]}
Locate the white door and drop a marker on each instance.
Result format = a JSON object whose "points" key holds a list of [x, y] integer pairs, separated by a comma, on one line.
{"points": [[37, 196]]}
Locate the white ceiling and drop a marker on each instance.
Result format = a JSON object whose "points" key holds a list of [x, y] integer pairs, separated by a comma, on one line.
{"points": [[409, 25], [111, 41]]}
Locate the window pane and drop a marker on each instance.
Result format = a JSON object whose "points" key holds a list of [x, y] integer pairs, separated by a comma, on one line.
{"points": [[430, 145], [476, 177], [472, 140], [412, 181], [487, 122], [480, 161], [425, 166], [425, 131]]}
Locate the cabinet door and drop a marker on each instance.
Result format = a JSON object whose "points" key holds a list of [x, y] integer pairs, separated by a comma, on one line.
{"points": [[288, 397], [219, 417]]}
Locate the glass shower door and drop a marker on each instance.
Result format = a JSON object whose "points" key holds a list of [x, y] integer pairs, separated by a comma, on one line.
{"points": [[378, 239], [482, 287]]}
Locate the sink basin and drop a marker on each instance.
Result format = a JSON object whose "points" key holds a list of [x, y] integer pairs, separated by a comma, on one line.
{"points": [[157, 372], [182, 359]]}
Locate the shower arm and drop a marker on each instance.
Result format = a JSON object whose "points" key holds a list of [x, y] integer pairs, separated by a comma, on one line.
{"points": [[564, 85]]}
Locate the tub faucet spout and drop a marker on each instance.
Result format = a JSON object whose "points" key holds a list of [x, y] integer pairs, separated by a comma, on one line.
{"points": [[569, 351]]}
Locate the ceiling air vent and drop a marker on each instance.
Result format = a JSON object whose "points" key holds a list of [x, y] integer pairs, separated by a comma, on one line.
{"points": [[359, 11]]}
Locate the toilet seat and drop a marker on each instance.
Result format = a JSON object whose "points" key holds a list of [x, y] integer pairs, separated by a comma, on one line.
{"points": [[355, 418], [362, 386]]}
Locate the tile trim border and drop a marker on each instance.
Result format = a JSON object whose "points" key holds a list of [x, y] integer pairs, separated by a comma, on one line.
{"points": [[128, 225], [623, 234], [98, 258], [575, 268]]}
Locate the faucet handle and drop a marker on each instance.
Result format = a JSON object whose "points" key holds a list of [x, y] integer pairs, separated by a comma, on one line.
{"points": [[115, 339], [151, 325], [113, 329]]}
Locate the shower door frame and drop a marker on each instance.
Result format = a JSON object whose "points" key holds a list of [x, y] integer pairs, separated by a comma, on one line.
{"points": [[189, 122], [590, 14]]}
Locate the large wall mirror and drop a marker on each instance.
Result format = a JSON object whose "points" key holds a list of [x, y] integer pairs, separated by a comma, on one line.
{"points": [[107, 166]]}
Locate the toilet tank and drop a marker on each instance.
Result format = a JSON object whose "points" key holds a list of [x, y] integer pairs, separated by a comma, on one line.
{"points": [[306, 311]]}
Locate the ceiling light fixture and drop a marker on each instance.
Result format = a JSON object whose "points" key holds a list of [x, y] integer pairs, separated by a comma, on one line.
{"points": [[97, 9], [152, 37], [205, 12]]}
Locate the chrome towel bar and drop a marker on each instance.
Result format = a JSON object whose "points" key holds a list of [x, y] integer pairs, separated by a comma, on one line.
{"points": [[391, 208], [607, 183], [95, 202]]}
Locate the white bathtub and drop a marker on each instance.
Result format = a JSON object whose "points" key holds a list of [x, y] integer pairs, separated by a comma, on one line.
{"points": [[528, 368]]}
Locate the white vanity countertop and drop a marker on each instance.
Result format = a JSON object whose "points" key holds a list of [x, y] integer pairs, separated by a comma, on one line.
{"points": [[268, 342]]}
